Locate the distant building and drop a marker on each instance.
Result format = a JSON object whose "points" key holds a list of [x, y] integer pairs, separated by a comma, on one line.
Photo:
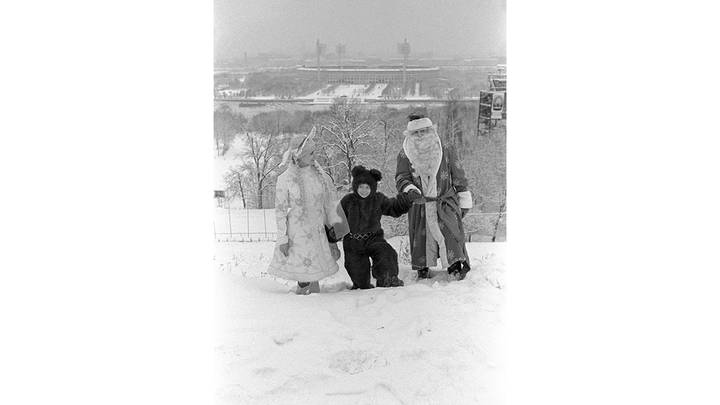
{"points": [[368, 75]]}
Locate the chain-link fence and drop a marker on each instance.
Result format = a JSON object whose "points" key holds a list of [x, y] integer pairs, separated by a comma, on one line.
{"points": [[485, 226], [244, 225], [250, 225]]}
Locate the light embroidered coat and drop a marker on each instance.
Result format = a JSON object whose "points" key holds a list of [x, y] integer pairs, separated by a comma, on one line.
{"points": [[303, 207], [435, 226]]}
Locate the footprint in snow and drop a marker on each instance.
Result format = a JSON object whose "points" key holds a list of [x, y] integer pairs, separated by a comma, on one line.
{"points": [[353, 361], [284, 338], [264, 371], [384, 394]]}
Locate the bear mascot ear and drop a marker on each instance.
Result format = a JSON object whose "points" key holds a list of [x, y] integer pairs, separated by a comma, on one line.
{"points": [[357, 170], [376, 174]]}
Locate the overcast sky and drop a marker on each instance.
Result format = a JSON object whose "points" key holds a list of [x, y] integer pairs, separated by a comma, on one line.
{"points": [[374, 27]]}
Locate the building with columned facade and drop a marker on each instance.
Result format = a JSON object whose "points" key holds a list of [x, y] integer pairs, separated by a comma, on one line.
{"points": [[369, 75]]}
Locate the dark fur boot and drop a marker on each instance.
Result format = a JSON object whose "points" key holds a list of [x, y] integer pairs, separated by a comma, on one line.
{"points": [[423, 273], [392, 281], [459, 270]]}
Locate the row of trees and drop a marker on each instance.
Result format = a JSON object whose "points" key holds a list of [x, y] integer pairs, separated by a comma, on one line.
{"points": [[350, 134], [283, 84], [290, 83], [227, 126]]}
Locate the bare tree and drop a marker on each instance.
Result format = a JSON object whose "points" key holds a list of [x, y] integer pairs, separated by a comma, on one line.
{"points": [[501, 211], [391, 132], [265, 146], [391, 123], [349, 133], [237, 181], [453, 123]]}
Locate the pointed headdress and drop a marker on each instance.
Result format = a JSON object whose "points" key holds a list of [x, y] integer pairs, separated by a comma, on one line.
{"points": [[298, 149]]}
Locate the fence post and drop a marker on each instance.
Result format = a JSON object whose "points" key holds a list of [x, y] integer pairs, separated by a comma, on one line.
{"points": [[265, 223], [502, 209], [229, 221]]}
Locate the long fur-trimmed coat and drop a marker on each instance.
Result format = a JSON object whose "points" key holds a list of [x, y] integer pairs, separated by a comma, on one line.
{"points": [[303, 211], [440, 216]]}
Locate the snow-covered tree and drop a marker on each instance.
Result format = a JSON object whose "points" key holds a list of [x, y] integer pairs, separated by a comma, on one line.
{"points": [[227, 125], [238, 181], [265, 144], [347, 135]]}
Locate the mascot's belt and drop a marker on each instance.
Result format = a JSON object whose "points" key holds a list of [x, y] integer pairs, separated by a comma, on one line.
{"points": [[361, 236]]}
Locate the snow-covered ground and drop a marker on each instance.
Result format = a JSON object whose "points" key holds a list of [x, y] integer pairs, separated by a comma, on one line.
{"points": [[375, 91], [341, 90], [431, 342], [358, 91]]}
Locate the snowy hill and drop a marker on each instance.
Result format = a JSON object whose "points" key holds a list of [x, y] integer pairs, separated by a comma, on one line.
{"points": [[223, 163], [356, 91], [430, 342]]}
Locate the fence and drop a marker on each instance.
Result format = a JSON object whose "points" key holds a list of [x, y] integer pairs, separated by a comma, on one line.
{"points": [[485, 226], [244, 225], [251, 225]]}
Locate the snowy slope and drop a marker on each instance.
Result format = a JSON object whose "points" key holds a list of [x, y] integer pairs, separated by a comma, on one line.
{"points": [[223, 163], [430, 342], [375, 91], [361, 91]]}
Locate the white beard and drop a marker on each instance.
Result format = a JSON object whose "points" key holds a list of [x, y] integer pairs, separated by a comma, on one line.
{"points": [[425, 155]]}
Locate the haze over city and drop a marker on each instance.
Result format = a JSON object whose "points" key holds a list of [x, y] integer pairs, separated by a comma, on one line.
{"points": [[465, 28]]}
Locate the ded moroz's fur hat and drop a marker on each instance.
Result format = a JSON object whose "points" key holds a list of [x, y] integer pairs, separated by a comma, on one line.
{"points": [[416, 122]]}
